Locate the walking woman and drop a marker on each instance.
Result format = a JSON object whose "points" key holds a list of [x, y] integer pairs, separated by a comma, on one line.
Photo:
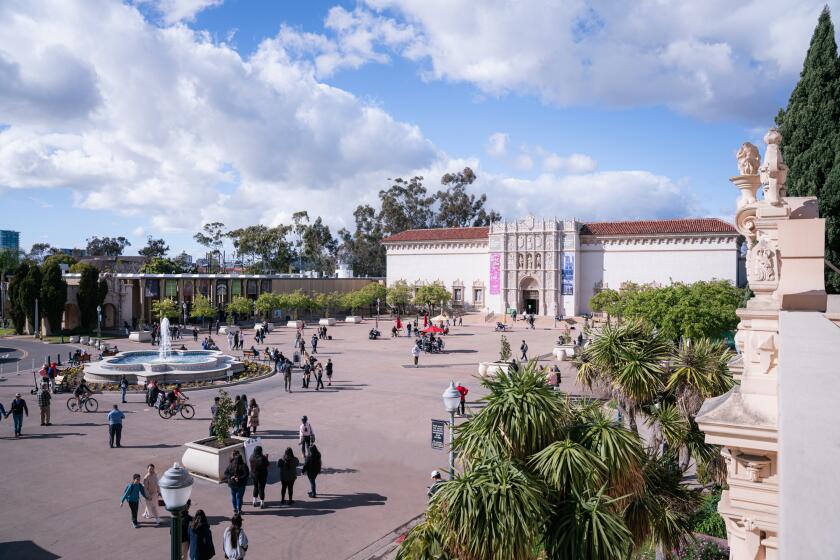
{"points": [[152, 488], [288, 465], [237, 477], [253, 416], [201, 539], [312, 468], [259, 472], [234, 541], [132, 495], [319, 376]]}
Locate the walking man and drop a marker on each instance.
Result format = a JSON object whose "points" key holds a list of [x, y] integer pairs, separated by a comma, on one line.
{"points": [[115, 418], [319, 377], [463, 392], [17, 409], [307, 435], [524, 350], [415, 354], [287, 376], [44, 398], [239, 410], [314, 344], [329, 368], [123, 387]]}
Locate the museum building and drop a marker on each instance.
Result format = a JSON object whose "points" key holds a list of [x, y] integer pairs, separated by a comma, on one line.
{"points": [[553, 267]]}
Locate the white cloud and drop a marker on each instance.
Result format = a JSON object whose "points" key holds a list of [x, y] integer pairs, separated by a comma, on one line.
{"points": [[708, 59], [139, 231], [524, 161], [183, 10], [497, 144], [574, 163]]}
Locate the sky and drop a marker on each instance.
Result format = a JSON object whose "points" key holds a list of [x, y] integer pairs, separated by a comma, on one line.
{"points": [[154, 117]]}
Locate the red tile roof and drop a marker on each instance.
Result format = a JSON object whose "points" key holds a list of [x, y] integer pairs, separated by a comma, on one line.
{"points": [[439, 234], [648, 227], [637, 227]]}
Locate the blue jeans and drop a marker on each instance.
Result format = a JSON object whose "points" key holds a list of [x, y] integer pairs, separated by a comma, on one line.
{"points": [[312, 484], [122, 392], [18, 418], [236, 495]]}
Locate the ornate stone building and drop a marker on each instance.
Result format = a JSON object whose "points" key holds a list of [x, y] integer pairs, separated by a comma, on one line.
{"points": [[549, 266]]}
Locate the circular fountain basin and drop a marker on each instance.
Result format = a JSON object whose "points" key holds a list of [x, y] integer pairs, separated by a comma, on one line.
{"points": [[181, 366]]}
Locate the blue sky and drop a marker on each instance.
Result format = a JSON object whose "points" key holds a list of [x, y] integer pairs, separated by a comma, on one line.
{"points": [[170, 113]]}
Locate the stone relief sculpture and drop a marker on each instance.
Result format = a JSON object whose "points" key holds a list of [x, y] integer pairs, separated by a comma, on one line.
{"points": [[528, 261], [519, 260], [763, 267], [748, 159], [774, 171], [537, 263]]}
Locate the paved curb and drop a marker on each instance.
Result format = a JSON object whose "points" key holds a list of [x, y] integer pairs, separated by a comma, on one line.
{"points": [[189, 389], [385, 548]]}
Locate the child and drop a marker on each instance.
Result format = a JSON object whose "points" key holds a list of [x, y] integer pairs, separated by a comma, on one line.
{"points": [[132, 495]]}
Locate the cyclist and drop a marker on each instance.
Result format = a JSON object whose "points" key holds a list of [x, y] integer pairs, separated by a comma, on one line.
{"points": [[176, 397], [80, 391]]}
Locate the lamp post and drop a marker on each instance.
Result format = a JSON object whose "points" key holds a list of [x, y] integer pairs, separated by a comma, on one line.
{"points": [[451, 400], [377, 313], [184, 307], [99, 322], [175, 488]]}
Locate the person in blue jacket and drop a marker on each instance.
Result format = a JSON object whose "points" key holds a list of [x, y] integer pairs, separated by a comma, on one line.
{"points": [[132, 495]]}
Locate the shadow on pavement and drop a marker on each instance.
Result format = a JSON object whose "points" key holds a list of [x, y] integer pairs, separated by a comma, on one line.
{"points": [[329, 470], [156, 446], [322, 505], [48, 435], [25, 550], [277, 434], [461, 351]]}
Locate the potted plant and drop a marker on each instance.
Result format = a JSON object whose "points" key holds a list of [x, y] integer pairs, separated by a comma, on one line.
{"points": [[565, 347], [502, 364], [353, 300], [326, 302], [209, 457]]}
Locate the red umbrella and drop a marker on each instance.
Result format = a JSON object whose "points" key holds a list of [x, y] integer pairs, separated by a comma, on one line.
{"points": [[433, 329]]}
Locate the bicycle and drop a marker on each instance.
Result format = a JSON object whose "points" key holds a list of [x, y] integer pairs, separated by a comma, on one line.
{"points": [[187, 411], [90, 404]]}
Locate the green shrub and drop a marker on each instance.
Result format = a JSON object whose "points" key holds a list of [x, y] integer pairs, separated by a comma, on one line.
{"points": [[707, 520], [703, 550]]}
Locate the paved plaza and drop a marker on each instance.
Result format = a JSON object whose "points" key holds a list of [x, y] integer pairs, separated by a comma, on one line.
{"points": [[62, 484]]}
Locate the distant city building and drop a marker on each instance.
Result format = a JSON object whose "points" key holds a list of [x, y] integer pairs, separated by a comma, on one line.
{"points": [[184, 257], [9, 240], [77, 253]]}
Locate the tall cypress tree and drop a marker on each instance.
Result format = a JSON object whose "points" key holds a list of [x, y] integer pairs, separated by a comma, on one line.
{"points": [[810, 127]]}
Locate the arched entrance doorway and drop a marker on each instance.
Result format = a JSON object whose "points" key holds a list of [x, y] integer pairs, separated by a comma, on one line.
{"points": [[529, 296], [109, 316], [72, 316]]}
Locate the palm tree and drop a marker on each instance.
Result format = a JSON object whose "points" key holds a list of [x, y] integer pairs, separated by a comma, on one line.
{"points": [[542, 475]]}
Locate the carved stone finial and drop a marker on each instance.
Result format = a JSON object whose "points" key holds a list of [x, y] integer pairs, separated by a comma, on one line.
{"points": [[774, 171], [748, 159]]}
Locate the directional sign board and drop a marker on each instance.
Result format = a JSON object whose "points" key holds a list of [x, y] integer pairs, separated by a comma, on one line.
{"points": [[438, 430]]}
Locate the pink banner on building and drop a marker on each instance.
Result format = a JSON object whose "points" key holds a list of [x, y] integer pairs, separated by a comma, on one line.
{"points": [[495, 273]]}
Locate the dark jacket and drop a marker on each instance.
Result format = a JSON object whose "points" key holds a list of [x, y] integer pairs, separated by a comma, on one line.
{"points": [[288, 469], [259, 467], [201, 543], [186, 519], [237, 475], [18, 406], [311, 465]]}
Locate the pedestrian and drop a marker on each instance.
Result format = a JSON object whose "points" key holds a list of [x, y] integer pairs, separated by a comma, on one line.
{"points": [[17, 409], [319, 377], [201, 539], [580, 339], [288, 465], [123, 387], [115, 418], [415, 354], [329, 371], [234, 541], [195, 334], [132, 495], [237, 478], [259, 473], [463, 392], [44, 398], [152, 489], [287, 376], [307, 435], [186, 520], [524, 349], [436, 483], [461, 321], [239, 411], [314, 344], [312, 468], [307, 371], [253, 416]]}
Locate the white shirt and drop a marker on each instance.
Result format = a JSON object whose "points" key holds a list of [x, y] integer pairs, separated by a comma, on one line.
{"points": [[238, 552], [306, 430]]}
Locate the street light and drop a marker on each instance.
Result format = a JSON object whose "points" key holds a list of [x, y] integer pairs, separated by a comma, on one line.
{"points": [[377, 313], [175, 488], [451, 400], [184, 307], [99, 322]]}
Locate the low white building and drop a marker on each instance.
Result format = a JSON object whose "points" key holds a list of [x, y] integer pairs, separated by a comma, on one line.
{"points": [[550, 266]]}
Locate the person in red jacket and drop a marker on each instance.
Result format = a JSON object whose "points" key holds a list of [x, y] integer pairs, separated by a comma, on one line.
{"points": [[463, 391]]}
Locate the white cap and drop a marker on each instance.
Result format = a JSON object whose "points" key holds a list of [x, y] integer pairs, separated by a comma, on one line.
{"points": [[435, 474]]}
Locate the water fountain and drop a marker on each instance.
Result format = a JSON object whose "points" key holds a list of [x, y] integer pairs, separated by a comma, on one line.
{"points": [[165, 350]]}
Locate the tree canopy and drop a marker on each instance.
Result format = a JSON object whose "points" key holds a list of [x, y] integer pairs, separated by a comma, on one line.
{"points": [[202, 307], [434, 294], [53, 295], [90, 294], [154, 249], [107, 246], [166, 307]]}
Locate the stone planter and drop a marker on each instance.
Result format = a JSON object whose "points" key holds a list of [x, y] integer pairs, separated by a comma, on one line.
{"points": [[84, 340], [74, 340], [489, 369], [140, 336], [564, 352], [224, 329], [208, 462], [328, 322], [353, 319], [295, 324]]}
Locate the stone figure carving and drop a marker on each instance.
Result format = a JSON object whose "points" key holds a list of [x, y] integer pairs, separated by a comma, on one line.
{"points": [[537, 259], [528, 261], [774, 171], [748, 159], [521, 243], [519, 260], [529, 242], [763, 267]]}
